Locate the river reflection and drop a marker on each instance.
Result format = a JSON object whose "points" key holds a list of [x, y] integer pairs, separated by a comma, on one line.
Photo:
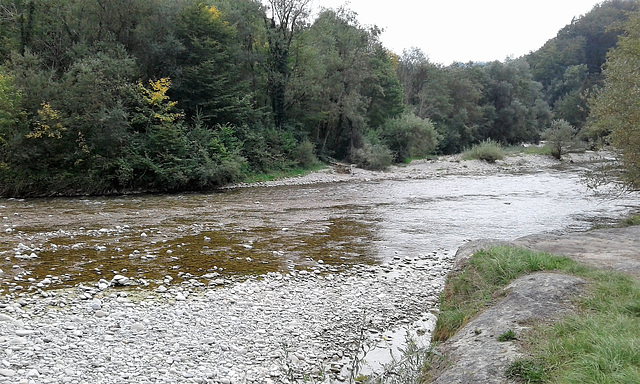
{"points": [[260, 230]]}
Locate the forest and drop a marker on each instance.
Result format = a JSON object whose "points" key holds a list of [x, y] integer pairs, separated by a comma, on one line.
{"points": [[122, 96]]}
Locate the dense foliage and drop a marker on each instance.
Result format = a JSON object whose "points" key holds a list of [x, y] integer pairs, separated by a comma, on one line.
{"points": [[105, 96], [569, 66], [616, 110]]}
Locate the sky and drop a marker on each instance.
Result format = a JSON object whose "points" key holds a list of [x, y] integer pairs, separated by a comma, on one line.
{"points": [[466, 30]]}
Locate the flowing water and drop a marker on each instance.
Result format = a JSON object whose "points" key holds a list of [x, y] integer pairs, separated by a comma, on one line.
{"points": [[259, 230]]}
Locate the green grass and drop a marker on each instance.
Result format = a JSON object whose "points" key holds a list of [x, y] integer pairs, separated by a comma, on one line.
{"points": [[599, 344], [507, 336], [489, 151], [630, 221], [532, 150], [478, 285], [527, 371]]}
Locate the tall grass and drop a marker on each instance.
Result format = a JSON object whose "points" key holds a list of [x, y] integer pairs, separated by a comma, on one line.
{"points": [[489, 151], [599, 344], [479, 283]]}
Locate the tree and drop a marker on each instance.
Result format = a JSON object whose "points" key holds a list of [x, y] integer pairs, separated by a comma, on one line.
{"points": [[287, 20], [344, 83], [560, 137], [207, 82], [569, 65], [517, 109], [616, 109]]}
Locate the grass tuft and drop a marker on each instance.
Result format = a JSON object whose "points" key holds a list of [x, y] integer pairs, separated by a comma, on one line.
{"points": [[509, 335], [489, 151], [527, 371]]}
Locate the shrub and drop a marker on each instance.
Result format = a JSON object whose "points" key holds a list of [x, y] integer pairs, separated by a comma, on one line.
{"points": [[305, 155], [489, 151], [409, 136], [372, 156], [560, 137]]}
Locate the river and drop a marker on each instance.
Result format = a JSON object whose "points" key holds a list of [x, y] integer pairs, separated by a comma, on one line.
{"points": [[259, 230], [309, 267]]}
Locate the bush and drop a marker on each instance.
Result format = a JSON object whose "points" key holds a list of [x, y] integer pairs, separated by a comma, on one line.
{"points": [[305, 155], [409, 136], [489, 151], [560, 137], [371, 156]]}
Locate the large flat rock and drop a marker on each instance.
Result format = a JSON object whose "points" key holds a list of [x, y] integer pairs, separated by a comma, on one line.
{"points": [[474, 355], [614, 248]]}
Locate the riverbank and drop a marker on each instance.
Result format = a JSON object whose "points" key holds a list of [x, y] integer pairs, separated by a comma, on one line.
{"points": [[428, 168], [505, 318]]}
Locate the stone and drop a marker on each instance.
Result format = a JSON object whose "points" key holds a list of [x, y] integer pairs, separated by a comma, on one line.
{"points": [[33, 373], [137, 326], [100, 313], [96, 304], [7, 372], [474, 353]]}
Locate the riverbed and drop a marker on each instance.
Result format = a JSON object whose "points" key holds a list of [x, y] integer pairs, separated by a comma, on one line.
{"points": [[270, 283]]}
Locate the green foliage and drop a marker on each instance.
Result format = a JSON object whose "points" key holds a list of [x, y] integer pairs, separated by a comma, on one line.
{"points": [[304, 154], [616, 110], [569, 65], [509, 335], [345, 85], [134, 95], [471, 102], [372, 155], [409, 136], [561, 138], [517, 112], [489, 151]]}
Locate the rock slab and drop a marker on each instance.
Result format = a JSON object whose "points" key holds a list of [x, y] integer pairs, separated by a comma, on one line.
{"points": [[474, 355]]}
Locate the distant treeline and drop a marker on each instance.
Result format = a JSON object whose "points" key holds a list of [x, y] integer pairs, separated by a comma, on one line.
{"points": [[108, 96]]}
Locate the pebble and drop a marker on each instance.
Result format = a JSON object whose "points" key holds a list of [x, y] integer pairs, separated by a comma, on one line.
{"points": [[275, 328], [7, 372]]}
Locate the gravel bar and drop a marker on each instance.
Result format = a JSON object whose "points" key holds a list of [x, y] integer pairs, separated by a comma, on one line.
{"points": [[278, 328]]}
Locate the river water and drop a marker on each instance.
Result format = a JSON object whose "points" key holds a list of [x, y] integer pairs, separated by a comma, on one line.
{"points": [[259, 230]]}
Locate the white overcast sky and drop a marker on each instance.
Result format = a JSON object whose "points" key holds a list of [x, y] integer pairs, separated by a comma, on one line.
{"points": [[466, 30]]}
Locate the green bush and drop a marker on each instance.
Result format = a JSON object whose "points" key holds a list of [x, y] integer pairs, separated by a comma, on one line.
{"points": [[561, 138], [372, 156], [409, 136], [489, 151], [305, 154]]}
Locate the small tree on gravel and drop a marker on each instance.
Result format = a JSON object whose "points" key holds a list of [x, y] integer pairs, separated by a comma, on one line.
{"points": [[561, 137]]}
